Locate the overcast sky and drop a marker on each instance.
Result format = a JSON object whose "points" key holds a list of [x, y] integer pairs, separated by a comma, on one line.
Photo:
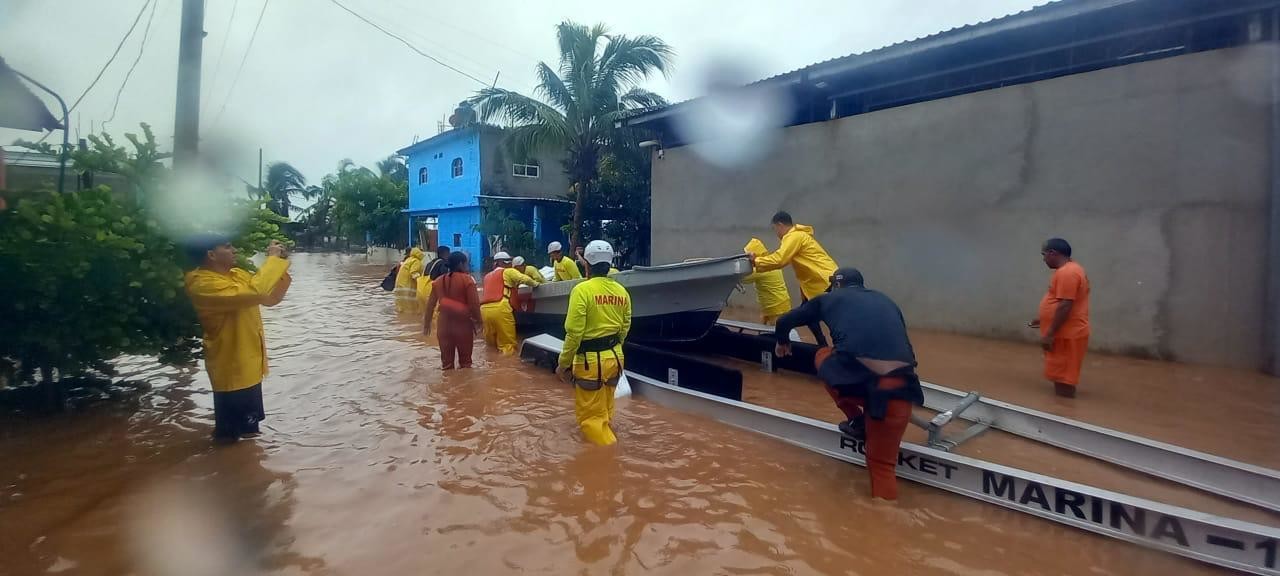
{"points": [[319, 85]]}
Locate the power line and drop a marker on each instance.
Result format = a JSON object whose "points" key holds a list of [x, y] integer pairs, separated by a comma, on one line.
{"points": [[406, 43], [222, 51], [460, 59], [236, 79], [146, 33], [128, 33]]}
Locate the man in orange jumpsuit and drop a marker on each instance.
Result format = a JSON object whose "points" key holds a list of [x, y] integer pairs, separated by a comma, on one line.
{"points": [[1063, 318], [870, 372]]}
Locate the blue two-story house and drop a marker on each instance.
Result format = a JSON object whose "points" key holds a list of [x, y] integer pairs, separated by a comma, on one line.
{"points": [[454, 174]]}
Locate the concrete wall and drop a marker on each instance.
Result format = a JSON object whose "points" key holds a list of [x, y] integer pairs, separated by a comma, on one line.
{"points": [[1157, 173], [496, 175]]}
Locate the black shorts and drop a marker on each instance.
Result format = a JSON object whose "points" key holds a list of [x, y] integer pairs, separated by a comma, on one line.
{"points": [[237, 413]]}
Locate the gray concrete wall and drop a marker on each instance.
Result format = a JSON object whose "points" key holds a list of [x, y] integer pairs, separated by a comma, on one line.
{"points": [[1156, 172], [496, 177]]}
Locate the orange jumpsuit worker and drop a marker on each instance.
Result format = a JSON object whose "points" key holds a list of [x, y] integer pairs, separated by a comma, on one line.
{"points": [[810, 260], [227, 301], [455, 291], [495, 303], [771, 287], [1063, 318], [870, 373]]}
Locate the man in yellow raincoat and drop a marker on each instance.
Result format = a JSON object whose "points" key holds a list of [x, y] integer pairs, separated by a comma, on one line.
{"points": [[527, 269], [407, 281], [498, 317], [565, 267], [595, 327], [806, 256], [771, 287], [226, 300]]}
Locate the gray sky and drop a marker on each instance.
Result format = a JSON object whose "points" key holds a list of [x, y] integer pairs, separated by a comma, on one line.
{"points": [[320, 85]]}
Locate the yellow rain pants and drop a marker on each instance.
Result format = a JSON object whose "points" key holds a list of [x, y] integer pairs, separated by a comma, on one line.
{"points": [[594, 408], [499, 326]]}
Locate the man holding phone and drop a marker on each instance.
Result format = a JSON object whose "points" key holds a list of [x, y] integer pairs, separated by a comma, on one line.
{"points": [[226, 299]]}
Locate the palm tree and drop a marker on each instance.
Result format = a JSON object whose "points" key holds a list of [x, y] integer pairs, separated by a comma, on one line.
{"points": [[595, 85], [393, 168], [283, 182]]}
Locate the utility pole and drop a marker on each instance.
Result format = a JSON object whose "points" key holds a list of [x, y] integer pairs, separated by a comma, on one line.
{"points": [[259, 170], [186, 122]]}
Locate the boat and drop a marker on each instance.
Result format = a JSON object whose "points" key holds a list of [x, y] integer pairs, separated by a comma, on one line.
{"points": [[676, 302]]}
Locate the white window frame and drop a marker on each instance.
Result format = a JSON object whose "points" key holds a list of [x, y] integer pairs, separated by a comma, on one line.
{"points": [[462, 167], [517, 168], [424, 176]]}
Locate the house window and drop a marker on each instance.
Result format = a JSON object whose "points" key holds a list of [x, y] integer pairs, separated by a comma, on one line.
{"points": [[457, 167], [524, 170], [457, 240], [422, 175]]}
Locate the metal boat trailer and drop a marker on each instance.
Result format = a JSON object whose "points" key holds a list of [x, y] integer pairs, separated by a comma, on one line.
{"points": [[1213, 539], [1220, 476]]}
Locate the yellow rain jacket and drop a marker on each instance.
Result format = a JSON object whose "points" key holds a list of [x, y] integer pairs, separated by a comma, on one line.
{"points": [[801, 250], [566, 269], [771, 287], [407, 281], [235, 351], [533, 274], [497, 317], [599, 309]]}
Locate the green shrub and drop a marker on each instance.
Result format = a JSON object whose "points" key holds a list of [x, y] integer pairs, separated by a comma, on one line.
{"points": [[84, 279]]}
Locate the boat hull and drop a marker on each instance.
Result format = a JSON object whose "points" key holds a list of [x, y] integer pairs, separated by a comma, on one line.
{"points": [[675, 302]]}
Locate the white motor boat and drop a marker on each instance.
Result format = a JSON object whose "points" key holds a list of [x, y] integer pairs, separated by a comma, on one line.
{"points": [[669, 303]]}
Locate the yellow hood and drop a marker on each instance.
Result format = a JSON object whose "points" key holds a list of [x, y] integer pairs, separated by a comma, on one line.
{"points": [[804, 228], [755, 246], [416, 253]]}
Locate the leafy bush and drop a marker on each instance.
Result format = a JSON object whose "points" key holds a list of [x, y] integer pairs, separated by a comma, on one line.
{"points": [[83, 279]]}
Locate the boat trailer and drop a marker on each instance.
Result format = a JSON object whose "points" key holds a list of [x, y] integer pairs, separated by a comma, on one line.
{"points": [[686, 383]]}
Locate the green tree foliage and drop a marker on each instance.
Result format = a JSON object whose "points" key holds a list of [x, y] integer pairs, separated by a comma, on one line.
{"points": [[88, 278], [141, 167], [578, 103], [504, 232], [393, 168], [365, 203], [284, 182], [259, 226]]}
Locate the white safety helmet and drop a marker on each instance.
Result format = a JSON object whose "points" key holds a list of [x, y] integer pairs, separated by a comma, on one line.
{"points": [[517, 261], [598, 251], [554, 247], [502, 256]]}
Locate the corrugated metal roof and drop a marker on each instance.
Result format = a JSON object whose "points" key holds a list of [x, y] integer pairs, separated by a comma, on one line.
{"points": [[1047, 12]]}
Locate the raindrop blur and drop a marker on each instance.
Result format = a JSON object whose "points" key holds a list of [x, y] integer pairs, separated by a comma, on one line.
{"points": [[734, 124]]}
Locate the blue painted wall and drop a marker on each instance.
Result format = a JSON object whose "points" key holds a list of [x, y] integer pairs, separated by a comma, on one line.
{"points": [[442, 190], [462, 221]]}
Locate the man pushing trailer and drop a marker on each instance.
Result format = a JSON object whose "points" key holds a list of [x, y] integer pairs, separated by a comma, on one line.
{"points": [[869, 371]]}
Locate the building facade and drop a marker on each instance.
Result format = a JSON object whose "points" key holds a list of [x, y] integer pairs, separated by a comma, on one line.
{"points": [[1142, 131], [454, 175]]}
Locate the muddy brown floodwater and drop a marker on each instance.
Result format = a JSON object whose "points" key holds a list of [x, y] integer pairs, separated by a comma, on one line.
{"points": [[373, 462]]}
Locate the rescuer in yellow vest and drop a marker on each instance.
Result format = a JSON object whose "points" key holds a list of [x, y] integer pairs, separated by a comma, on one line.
{"points": [[528, 270], [771, 287], [810, 260], [407, 280], [495, 303], [566, 269], [226, 300], [595, 326]]}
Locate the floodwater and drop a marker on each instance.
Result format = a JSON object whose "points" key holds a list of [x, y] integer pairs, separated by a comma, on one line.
{"points": [[373, 462]]}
